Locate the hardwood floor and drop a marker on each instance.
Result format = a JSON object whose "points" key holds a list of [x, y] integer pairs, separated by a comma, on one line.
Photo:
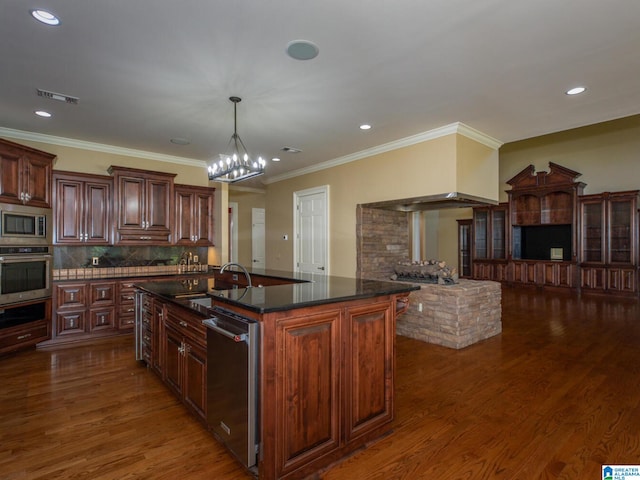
{"points": [[556, 395]]}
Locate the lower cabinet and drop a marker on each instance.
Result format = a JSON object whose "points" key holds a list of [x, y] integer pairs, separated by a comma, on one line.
{"points": [[606, 279], [180, 354], [328, 389], [23, 326], [90, 308]]}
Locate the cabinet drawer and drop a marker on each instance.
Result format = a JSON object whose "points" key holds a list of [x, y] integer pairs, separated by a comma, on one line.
{"points": [[71, 295], [126, 322], [102, 319], [70, 322], [23, 335], [102, 293], [187, 325]]}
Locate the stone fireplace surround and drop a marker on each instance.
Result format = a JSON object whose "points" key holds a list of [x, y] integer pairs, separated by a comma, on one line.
{"points": [[454, 316]]}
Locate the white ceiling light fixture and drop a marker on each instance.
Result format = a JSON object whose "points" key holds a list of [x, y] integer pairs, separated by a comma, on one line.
{"points": [[365, 126], [45, 17], [302, 50], [575, 91], [237, 165], [43, 114], [275, 159]]}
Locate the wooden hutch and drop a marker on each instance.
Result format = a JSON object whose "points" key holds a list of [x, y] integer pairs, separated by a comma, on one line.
{"points": [[550, 235]]}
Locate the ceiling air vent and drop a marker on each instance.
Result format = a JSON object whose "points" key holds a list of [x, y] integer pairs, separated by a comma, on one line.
{"points": [[58, 96], [291, 150]]}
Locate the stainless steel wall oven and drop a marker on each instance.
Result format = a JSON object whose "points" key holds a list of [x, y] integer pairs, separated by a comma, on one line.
{"points": [[25, 274]]}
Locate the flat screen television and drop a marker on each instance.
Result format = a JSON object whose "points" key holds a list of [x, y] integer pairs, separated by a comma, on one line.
{"points": [[542, 242]]}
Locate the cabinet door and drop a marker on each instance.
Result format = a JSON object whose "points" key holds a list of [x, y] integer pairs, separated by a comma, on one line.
{"points": [[38, 180], [592, 236], [131, 203], [184, 217], [172, 369], [621, 231], [369, 365], [307, 393], [11, 176], [203, 215], [68, 211], [158, 214], [195, 379], [97, 213]]}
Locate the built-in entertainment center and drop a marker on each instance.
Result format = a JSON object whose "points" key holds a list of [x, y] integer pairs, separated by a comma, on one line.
{"points": [[549, 234]]}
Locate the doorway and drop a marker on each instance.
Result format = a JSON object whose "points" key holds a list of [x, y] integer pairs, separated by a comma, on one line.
{"points": [[311, 230]]}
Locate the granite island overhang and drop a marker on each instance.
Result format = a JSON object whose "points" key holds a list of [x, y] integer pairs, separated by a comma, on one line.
{"points": [[326, 358]]}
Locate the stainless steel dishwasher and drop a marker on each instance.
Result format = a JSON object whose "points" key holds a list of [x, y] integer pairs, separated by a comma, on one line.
{"points": [[232, 383]]}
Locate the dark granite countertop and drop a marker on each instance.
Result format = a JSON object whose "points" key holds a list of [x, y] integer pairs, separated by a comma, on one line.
{"points": [[309, 290]]}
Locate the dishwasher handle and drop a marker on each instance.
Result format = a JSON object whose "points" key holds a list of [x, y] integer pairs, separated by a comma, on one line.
{"points": [[236, 337]]}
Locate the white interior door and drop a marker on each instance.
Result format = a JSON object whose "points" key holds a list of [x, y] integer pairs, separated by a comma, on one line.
{"points": [[312, 231], [257, 237]]}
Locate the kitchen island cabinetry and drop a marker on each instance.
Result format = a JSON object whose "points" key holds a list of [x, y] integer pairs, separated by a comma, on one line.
{"points": [[143, 202], [326, 362], [82, 209], [184, 369], [193, 224], [25, 175]]}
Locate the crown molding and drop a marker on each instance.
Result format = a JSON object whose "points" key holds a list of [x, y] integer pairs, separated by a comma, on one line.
{"points": [[98, 147], [453, 128]]}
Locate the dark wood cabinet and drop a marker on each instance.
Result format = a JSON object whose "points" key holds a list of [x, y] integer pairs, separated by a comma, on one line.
{"points": [[25, 175], [327, 383], [25, 325], [489, 242], [84, 309], [184, 366], [193, 215], [143, 204], [609, 242], [82, 209]]}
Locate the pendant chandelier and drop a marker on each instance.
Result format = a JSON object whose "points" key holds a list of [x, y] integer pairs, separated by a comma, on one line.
{"points": [[236, 165]]}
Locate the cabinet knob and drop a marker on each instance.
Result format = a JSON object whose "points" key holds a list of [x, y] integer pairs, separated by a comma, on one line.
{"points": [[183, 324]]}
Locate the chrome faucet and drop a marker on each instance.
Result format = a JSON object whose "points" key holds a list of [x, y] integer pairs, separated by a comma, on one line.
{"points": [[244, 270]]}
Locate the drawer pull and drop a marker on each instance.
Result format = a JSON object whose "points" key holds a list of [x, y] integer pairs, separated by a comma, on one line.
{"points": [[22, 337], [183, 324], [131, 310]]}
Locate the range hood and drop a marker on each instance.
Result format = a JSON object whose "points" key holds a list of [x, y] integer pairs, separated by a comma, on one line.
{"points": [[432, 202]]}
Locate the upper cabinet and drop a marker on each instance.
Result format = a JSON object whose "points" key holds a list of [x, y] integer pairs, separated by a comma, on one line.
{"points": [[544, 198], [25, 175], [143, 202], [82, 208], [193, 215]]}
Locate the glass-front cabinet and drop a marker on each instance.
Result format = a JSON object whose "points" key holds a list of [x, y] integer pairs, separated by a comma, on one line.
{"points": [[489, 252], [608, 242]]}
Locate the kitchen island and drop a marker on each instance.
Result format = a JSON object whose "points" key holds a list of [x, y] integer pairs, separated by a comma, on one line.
{"points": [[325, 364]]}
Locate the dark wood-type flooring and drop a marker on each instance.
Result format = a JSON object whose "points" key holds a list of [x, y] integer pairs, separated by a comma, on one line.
{"points": [[556, 395]]}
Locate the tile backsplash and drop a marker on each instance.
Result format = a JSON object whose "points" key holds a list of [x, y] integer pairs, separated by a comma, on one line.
{"points": [[119, 257]]}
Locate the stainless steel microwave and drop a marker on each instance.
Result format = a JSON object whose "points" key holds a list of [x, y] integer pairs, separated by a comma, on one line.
{"points": [[24, 225]]}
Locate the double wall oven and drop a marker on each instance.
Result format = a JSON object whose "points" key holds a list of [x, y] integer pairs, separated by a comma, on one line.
{"points": [[25, 263]]}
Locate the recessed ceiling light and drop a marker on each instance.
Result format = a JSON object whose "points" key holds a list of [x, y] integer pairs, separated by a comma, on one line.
{"points": [[302, 50], [45, 17], [575, 91], [43, 114], [365, 126], [275, 159], [180, 141]]}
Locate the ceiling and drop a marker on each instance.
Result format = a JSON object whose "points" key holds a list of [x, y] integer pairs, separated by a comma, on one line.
{"points": [[146, 71]]}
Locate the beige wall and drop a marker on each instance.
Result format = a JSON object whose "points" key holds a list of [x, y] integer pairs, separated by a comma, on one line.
{"points": [[606, 154], [246, 201], [428, 168]]}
